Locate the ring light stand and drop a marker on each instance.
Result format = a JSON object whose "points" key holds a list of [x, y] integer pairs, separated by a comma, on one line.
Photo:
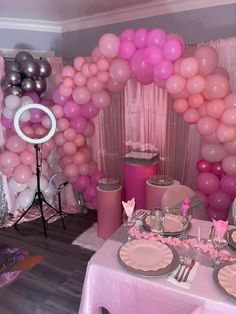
{"points": [[38, 197]]}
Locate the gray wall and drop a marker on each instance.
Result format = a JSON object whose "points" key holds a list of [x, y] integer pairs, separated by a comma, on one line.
{"points": [[194, 26]]}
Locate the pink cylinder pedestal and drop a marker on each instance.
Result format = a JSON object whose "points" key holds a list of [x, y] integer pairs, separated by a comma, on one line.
{"points": [[109, 213], [154, 194], [134, 180]]}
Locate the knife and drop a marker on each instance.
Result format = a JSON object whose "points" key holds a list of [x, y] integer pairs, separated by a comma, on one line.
{"points": [[189, 270]]}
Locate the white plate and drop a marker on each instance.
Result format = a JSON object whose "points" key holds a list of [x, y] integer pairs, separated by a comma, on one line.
{"points": [[146, 255], [226, 279]]}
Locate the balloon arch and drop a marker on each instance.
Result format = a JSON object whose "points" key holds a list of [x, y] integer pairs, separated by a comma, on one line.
{"points": [[200, 91]]}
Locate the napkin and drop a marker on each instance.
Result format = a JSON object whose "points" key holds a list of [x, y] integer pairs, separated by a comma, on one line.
{"points": [[187, 284], [129, 207], [185, 206], [220, 227]]}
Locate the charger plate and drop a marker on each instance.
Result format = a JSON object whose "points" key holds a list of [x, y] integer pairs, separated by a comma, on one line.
{"points": [[148, 257], [232, 238], [225, 279]]}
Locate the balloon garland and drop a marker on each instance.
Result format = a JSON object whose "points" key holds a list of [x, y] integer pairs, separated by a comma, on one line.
{"points": [[201, 94]]}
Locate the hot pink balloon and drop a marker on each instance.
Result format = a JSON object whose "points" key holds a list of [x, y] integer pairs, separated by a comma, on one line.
{"points": [[89, 110], [219, 200], [216, 214], [156, 37], [153, 55], [228, 185], [91, 191], [6, 123], [172, 49], [36, 115], [163, 70], [217, 169], [81, 183], [142, 71], [58, 98], [140, 37], [127, 34], [207, 182], [203, 166], [71, 109], [127, 49], [79, 124]]}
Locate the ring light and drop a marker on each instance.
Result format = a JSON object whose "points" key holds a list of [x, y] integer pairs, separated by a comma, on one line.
{"points": [[58, 187], [29, 139]]}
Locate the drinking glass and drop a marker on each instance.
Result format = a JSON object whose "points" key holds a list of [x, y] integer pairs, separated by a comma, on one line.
{"points": [[185, 221], [159, 220], [128, 223], [218, 243]]}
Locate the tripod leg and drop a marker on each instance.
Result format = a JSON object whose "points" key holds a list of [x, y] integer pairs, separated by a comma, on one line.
{"points": [[60, 211], [42, 216], [57, 212], [26, 211]]}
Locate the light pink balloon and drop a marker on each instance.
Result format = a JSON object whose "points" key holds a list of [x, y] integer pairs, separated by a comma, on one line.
{"points": [[103, 76], [216, 86], [63, 124], [103, 64], [81, 95], [9, 159], [230, 100], [59, 139], [175, 84], [189, 67], [156, 37], [195, 101], [68, 82], [96, 54], [225, 133], [195, 84], [153, 55], [180, 105], [114, 87], [40, 132], [64, 90], [202, 110], [207, 182], [83, 169], [79, 79], [229, 117], [71, 170], [22, 174], [90, 129], [65, 160], [231, 147], [79, 140], [172, 49], [49, 145], [207, 58], [126, 49], [191, 116], [229, 165], [101, 99], [46, 122], [212, 138], [183, 94], [93, 68], [85, 70], [78, 158], [94, 85], [79, 124], [213, 152], [68, 70], [58, 111], [69, 134], [109, 45], [215, 108], [15, 144], [221, 71], [77, 63], [120, 70], [207, 125], [69, 148]]}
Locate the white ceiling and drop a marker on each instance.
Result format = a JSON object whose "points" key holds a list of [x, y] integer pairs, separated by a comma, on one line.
{"points": [[66, 15]]}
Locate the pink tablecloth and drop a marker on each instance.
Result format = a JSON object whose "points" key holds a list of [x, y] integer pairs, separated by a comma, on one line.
{"points": [[108, 284]]}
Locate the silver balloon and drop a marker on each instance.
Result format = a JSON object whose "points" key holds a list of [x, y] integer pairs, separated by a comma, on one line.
{"points": [[44, 68], [12, 66], [28, 85], [40, 85], [5, 84], [14, 78], [23, 55], [14, 90], [30, 68]]}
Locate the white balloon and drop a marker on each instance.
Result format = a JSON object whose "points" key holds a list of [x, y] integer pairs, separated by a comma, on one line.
{"points": [[25, 116], [48, 192], [8, 113], [12, 102], [43, 183], [15, 186], [25, 100], [25, 198]]}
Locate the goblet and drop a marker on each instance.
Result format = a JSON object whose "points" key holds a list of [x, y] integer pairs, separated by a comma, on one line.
{"points": [[185, 220], [219, 243], [128, 223]]}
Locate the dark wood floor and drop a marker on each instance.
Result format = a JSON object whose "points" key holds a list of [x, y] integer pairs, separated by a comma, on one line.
{"points": [[54, 286]]}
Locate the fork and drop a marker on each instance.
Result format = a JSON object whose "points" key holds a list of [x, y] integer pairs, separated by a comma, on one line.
{"points": [[182, 262], [186, 265]]}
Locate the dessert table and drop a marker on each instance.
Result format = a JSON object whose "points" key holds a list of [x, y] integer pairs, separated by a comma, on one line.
{"points": [[108, 284]]}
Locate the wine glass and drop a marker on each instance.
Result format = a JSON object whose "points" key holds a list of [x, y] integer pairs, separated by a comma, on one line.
{"points": [[219, 243], [128, 223], [185, 220]]}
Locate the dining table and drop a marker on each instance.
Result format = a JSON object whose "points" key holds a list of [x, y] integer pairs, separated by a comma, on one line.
{"points": [[110, 285]]}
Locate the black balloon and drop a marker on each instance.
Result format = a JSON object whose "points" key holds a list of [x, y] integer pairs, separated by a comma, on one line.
{"points": [[12, 66], [28, 85], [13, 77], [44, 68], [40, 85], [23, 55], [30, 68], [5, 84], [14, 90]]}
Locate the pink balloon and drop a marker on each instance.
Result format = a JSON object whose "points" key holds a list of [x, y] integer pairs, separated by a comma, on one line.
{"points": [[79, 124], [212, 138], [127, 49], [180, 105], [103, 64], [213, 152], [93, 167], [79, 79], [160, 83], [90, 129], [207, 125], [109, 45], [6, 123], [195, 101], [229, 117], [202, 110], [142, 70], [9, 159], [27, 158], [46, 122], [225, 133], [22, 174], [81, 95], [96, 54], [58, 111], [91, 191], [203, 166], [67, 70], [207, 182], [178, 37], [230, 100], [49, 145], [79, 140], [87, 153], [215, 108], [114, 87], [172, 49], [69, 134], [217, 169], [207, 58], [78, 158], [231, 147], [163, 70], [65, 160], [103, 76], [153, 55], [228, 185], [219, 200], [216, 86], [78, 62], [189, 67], [69, 148], [36, 115], [229, 165], [59, 139], [156, 37], [65, 90], [120, 70], [81, 183], [68, 82], [83, 169], [93, 68], [140, 37], [96, 176], [34, 96], [101, 99], [195, 84], [191, 116], [221, 71], [175, 84], [15, 144], [94, 85], [71, 109], [58, 98], [71, 170], [127, 34], [63, 124], [217, 214]]}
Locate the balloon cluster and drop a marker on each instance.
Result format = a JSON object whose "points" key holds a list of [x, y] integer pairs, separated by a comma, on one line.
{"points": [[25, 75]]}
